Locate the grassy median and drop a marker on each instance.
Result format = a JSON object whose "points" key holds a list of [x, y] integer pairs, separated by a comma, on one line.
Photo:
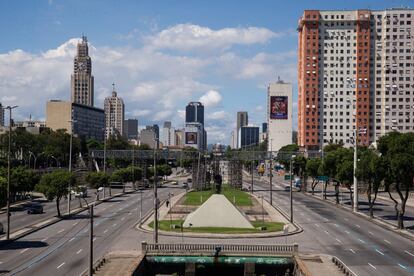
{"points": [[233, 195], [175, 226]]}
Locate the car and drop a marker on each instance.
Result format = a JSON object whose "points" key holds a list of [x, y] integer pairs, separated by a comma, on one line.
{"points": [[287, 188], [35, 209], [298, 183], [1, 228]]}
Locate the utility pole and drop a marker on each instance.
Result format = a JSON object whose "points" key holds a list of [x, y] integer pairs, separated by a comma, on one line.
{"points": [[355, 167], [291, 188], [251, 188], [271, 172], [155, 195], [8, 171], [91, 241], [70, 160], [104, 161]]}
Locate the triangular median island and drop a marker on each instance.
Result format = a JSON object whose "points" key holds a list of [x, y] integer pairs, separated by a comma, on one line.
{"points": [[217, 211]]}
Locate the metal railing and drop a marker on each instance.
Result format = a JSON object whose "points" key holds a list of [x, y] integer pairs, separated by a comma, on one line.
{"points": [[266, 249], [346, 270]]}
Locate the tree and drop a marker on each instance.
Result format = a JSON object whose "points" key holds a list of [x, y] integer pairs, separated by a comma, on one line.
{"points": [[3, 191], [55, 185], [97, 180], [285, 154], [299, 168], [371, 170], [312, 170], [398, 150]]}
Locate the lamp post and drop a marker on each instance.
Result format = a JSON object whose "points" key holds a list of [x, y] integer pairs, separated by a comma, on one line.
{"points": [[34, 157], [70, 160], [8, 171], [291, 192], [155, 193], [271, 172], [104, 161], [355, 209]]}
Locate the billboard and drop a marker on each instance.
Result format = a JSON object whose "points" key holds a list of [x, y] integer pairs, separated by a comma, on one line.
{"points": [[278, 107], [191, 138]]}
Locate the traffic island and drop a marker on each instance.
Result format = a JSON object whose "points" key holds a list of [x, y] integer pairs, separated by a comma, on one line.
{"points": [[233, 214]]}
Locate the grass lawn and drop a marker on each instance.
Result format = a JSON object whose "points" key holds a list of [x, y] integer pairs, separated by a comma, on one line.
{"points": [[198, 198], [270, 227]]}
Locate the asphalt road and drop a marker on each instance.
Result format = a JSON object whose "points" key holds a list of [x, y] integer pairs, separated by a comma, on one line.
{"points": [[366, 248], [20, 219], [62, 248]]}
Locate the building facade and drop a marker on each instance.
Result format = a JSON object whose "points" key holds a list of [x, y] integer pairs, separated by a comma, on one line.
{"points": [[131, 129], [242, 120], [147, 137], [194, 115], [355, 74], [279, 115], [168, 133], [194, 136], [114, 115], [88, 121], [1, 115], [248, 137], [82, 81]]}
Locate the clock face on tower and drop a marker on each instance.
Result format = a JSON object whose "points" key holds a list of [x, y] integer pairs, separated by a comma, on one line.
{"points": [[82, 66]]}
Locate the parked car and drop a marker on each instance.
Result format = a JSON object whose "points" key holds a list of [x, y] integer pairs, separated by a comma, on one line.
{"points": [[1, 228], [298, 183], [35, 209]]}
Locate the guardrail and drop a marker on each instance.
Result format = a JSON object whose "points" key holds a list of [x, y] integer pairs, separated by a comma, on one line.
{"points": [[346, 270], [268, 249]]}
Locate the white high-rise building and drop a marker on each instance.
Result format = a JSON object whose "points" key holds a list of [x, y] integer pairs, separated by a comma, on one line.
{"points": [[355, 74], [168, 133], [279, 115], [114, 114]]}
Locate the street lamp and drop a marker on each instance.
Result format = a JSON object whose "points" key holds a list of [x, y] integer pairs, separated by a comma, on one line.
{"points": [[70, 159], [271, 172], [291, 192], [155, 193], [355, 209], [104, 160], [34, 157], [8, 170]]}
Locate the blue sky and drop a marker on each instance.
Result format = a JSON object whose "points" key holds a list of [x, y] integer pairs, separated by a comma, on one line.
{"points": [[160, 54]]}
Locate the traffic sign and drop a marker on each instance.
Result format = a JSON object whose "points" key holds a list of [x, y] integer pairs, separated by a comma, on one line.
{"points": [[287, 176], [323, 178]]}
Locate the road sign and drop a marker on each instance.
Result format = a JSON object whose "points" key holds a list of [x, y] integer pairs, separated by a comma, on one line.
{"points": [[287, 176], [323, 178]]}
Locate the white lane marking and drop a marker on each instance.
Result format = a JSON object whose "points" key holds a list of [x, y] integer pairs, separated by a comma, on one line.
{"points": [[346, 231], [317, 225], [123, 218], [1, 262], [135, 209], [79, 251], [106, 230], [403, 266], [308, 219], [114, 224], [60, 265], [346, 219], [326, 232], [352, 250], [60, 231], [71, 239], [338, 240], [361, 241], [371, 233], [24, 250], [44, 239], [379, 252], [372, 266], [409, 253], [387, 241], [357, 226], [336, 225], [75, 223], [94, 239]]}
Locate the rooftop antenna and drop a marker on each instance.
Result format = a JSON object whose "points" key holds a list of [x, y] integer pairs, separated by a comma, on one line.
{"points": [[113, 86]]}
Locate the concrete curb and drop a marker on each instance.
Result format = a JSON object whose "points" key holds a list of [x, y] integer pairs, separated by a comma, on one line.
{"points": [[142, 228], [56, 219], [386, 225]]}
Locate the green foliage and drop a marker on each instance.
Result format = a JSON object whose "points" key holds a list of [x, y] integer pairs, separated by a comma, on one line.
{"points": [[3, 190], [128, 174], [285, 154], [55, 185], [117, 142], [97, 179], [312, 167], [199, 197]]}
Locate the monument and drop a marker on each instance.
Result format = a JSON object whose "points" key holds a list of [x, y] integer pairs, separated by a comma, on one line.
{"points": [[217, 211]]}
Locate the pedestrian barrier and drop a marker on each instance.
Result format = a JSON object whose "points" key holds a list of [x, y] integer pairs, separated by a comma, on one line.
{"points": [[346, 270], [274, 249]]}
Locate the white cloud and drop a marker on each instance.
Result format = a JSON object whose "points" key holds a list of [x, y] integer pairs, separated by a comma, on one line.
{"points": [[211, 99], [186, 37], [218, 115]]}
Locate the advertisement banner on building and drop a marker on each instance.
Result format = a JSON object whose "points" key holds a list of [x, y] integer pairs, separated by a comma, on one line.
{"points": [[278, 107], [191, 138]]}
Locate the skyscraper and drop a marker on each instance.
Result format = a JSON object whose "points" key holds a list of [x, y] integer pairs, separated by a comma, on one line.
{"points": [[194, 113], [1, 115], [82, 80], [354, 75], [279, 115], [242, 120], [131, 129], [114, 114], [194, 119], [168, 133]]}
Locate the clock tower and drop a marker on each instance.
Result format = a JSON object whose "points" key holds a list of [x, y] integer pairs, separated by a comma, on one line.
{"points": [[82, 79]]}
